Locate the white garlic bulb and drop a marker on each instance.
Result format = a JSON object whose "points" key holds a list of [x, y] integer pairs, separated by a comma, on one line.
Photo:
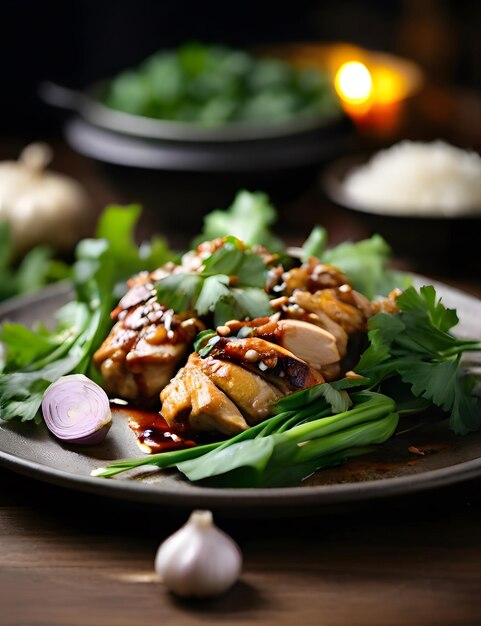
{"points": [[199, 560], [42, 207]]}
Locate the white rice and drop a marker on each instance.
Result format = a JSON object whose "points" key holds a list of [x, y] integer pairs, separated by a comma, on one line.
{"points": [[430, 179]]}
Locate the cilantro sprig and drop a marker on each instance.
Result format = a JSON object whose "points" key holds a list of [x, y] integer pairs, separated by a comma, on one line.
{"points": [[416, 347], [230, 285], [249, 217]]}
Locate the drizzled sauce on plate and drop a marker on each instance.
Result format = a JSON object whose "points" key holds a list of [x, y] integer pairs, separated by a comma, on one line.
{"points": [[152, 431]]}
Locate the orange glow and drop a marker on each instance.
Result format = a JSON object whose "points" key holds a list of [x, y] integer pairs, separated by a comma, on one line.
{"points": [[353, 83], [393, 78], [388, 85], [358, 85], [372, 86]]}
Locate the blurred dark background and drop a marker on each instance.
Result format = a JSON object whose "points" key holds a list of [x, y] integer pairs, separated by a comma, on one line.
{"points": [[77, 42]]}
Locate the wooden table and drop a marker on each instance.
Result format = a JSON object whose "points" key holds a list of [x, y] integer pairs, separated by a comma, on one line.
{"points": [[68, 559]]}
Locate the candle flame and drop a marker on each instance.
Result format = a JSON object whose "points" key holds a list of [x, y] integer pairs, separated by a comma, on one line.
{"points": [[353, 83]]}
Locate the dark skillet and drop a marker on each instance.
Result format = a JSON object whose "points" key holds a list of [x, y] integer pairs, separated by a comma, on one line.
{"points": [[88, 104]]}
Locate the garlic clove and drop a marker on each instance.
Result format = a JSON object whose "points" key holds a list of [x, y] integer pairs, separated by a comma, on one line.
{"points": [[199, 560]]}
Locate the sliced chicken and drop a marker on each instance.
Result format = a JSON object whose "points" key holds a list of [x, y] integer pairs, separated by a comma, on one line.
{"points": [[253, 395], [329, 302], [176, 400], [306, 340], [318, 318], [118, 380], [122, 382], [273, 362], [191, 397], [146, 345], [311, 276], [311, 344]]}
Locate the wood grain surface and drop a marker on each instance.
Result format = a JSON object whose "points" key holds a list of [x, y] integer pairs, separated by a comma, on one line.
{"points": [[68, 559]]}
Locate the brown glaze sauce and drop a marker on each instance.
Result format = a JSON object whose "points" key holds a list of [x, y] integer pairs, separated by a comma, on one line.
{"points": [[152, 431]]}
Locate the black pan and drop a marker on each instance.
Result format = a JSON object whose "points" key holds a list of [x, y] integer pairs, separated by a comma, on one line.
{"points": [[88, 104]]}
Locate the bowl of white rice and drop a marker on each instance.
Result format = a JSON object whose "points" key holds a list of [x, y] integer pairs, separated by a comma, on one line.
{"points": [[424, 198]]}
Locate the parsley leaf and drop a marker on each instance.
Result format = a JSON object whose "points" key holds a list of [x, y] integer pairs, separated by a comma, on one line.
{"points": [[213, 291], [424, 306], [365, 263], [179, 291], [117, 226], [36, 269], [251, 302], [24, 346], [416, 346], [315, 244], [232, 260], [225, 260], [383, 329], [447, 386], [427, 323], [251, 272], [249, 218]]}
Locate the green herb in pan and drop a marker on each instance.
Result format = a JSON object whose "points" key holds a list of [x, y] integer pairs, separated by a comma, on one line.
{"points": [[213, 85]]}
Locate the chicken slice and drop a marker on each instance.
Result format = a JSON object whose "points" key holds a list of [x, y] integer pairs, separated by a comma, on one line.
{"points": [[319, 319], [306, 340], [253, 395], [273, 362], [312, 276], [141, 368], [211, 408], [118, 380], [191, 397], [311, 344], [145, 347], [176, 401], [328, 302]]}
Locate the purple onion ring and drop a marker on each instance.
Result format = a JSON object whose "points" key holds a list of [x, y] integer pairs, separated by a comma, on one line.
{"points": [[77, 410]]}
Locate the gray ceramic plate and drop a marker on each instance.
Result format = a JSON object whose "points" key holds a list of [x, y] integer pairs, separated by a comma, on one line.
{"points": [[393, 470]]}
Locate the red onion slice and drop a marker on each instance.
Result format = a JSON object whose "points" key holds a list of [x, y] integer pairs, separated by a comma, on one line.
{"points": [[77, 410]]}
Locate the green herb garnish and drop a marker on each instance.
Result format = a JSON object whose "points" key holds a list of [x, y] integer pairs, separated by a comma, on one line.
{"points": [[287, 447], [36, 269], [34, 359], [212, 290], [417, 347], [249, 218]]}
